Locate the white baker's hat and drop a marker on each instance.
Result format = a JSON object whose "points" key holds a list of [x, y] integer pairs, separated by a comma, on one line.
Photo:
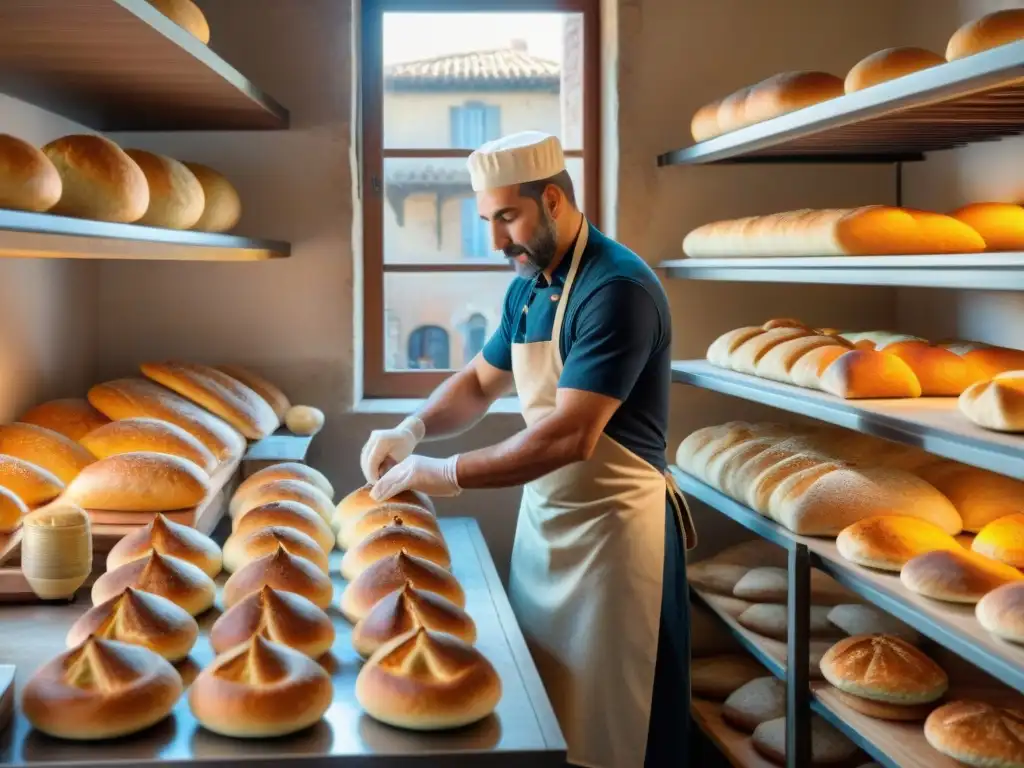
{"points": [[515, 159]]}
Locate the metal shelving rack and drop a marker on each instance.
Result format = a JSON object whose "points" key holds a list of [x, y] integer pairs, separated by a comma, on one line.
{"points": [[976, 99]]}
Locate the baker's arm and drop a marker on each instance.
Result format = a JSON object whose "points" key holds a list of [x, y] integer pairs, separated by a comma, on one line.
{"points": [[463, 399]]}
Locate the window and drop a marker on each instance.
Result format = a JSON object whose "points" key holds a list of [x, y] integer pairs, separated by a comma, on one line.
{"points": [[438, 79]]}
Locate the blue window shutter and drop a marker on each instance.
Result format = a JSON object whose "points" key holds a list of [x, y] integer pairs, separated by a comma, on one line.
{"points": [[492, 122], [470, 227], [472, 124]]}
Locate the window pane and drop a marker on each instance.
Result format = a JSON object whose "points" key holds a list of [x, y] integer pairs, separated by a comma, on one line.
{"points": [[456, 80], [439, 321], [430, 213]]}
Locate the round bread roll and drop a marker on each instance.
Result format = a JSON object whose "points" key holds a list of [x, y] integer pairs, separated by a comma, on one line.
{"points": [[186, 15], [280, 570], [141, 481], [391, 573], [715, 677], [168, 538], [883, 710], [425, 681], [828, 745], [240, 549], [884, 668], [357, 503], [176, 199], [889, 64], [760, 700], [1002, 540], [888, 542], [282, 617], [12, 510], [180, 582], [1001, 612], [383, 516], [985, 32], [29, 482], [772, 620], [270, 392], [139, 618], [223, 205], [1000, 224], [282, 490], [771, 585], [860, 619], [260, 689], [956, 576], [45, 448], [150, 435], [99, 180], [304, 419], [393, 538], [287, 514], [73, 417], [28, 180], [286, 470], [101, 689], [406, 609], [716, 578], [977, 733]]}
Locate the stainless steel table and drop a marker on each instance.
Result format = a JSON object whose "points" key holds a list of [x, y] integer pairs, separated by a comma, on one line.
{"points": [[522, 732]]}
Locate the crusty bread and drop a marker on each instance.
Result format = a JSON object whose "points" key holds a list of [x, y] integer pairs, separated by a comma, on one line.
{"points": [[285, 489], [139, 618], [218, 393], [141, 481], [287, 470], [187, 15], [869, 374], [98, 180], [168, 538], [761, 699], [288, 514], [888, 542], [1001, 612], [1002, 540], [383, 516], [260, 689], [391, 573], [977, 733], [861, 619], [979, 496], [45, 448], [889, 64], [407, 609], [985, 32], [176, 197], [180, 582], [996, 404], [29, 482], [1001, 225], [12, 510], [239, 549], [424, 680], [72, 417], [828, 745], [304, 420], [280, 570], [223, 205], [884, 668], [133, 397], [261, 386], [28, 180], [956, 576], [397, 537], [146, 434], [101, 689], [277, 615], [356, 503]]}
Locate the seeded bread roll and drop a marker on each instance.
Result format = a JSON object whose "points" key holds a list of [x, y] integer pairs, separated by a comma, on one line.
{"points": [[145, 434]]}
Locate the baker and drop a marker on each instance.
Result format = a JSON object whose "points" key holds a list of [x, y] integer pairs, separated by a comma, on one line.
{"points": [[597, 578]]}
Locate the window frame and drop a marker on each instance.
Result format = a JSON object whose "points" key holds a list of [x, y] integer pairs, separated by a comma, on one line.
{"points": [[378, 382]]}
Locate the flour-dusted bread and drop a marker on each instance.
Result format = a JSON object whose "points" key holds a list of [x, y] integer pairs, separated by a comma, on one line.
{"points": [[45, 448], [755, 702], [28, 179], [145, 434], [142, 481], [29, 482], [884, 668]]}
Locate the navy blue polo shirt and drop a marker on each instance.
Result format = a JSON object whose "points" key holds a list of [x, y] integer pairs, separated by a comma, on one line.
{"points": [[615, 340]]}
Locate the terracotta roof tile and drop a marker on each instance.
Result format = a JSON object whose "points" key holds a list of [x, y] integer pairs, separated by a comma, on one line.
{"points": [[503, 69]]}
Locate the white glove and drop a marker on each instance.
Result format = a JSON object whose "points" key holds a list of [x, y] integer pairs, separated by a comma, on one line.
{"points": [[434, 477], [396, 444]]}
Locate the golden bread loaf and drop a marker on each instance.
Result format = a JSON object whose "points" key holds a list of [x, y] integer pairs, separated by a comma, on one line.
{"points": [[888, 542], [979, 496], [286, 514], [168, 538], [187, 15], [358, 502], [997, 403], [425, 681], [985, 32], [29, 482], [986, 360], [889, 64], [940, 372], [180, 582], [387, 514], [787, 92], [139, 618], [977, 733], [134, 397], [390, 540], [828, 745], [261, 386], [28, 180], [956, 576], [869, 374], [861, 619], [406, 609], [240, 549], [218, 393], [99, 180], [715, 677], [285, 489], [141, 481], [280, 570], [755, 702], [1001, 225], [101, 689], [72, 417], [282, 617], [223, 205], [45, 448], [392, 573], [260, 689], [287, 470], [12, 510], [146, 434], [1002, 540], [176, 199], [304, 420], [704, 123], [884, 668]]}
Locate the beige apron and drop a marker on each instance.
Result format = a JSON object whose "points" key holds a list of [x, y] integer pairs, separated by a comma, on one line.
{"points": [[586, 574]]}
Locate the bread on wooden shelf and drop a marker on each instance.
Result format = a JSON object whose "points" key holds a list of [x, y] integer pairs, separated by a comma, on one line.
{"points": [[304, 420], [284, 513], [266, 389], [147, 434], [884, 668], [716, 677], [187, 15], [278, 615], [29, 482], [176, 199], [28, 179], [12, 510], [828, 745], [889, 64], [286, 470], [280, 570], [73, 417], [716, 578], [996, 404], [888, 542], [240, 549], [1001, 225], [985, 32], [956, 576], [977, 733], [99, 181], [168, 538], [772, 620], [861, 619], [755, 702], [871, 230], [45, 448], [285, 489], [179, 581], [223, 205], [141, 481], [885, 710]]}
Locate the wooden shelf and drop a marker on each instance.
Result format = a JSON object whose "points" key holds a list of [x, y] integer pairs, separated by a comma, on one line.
{"points": [[982, 271], [735, 745], [934, 424], [770, 653], [974, 99], [121, 65], [42, 235]]}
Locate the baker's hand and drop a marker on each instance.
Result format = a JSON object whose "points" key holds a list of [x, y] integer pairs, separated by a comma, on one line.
{"points": [[434, 477], [395, 444]]}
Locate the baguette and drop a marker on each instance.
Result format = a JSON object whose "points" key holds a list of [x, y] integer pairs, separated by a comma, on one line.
{"points": [[269, 391], [1001, 225]]}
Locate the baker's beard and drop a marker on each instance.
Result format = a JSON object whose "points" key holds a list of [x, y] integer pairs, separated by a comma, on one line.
{"points": [[539, 250]]}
